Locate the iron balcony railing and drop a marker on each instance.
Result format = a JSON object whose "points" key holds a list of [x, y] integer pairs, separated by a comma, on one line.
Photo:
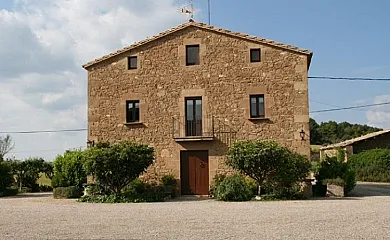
{"points": [[195, 127]]}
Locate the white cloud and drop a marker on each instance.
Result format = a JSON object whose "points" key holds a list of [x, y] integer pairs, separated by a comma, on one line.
{"points": [[380, 115], [42, 47]]}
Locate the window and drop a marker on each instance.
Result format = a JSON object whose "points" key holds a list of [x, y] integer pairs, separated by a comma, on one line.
{"points": [[132, 111], [193, 116], [255, 55], [132, 62], [192, 55], [257, 106]]}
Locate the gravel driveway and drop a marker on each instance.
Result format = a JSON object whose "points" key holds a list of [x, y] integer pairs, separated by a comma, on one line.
{"points": [[38, 216]]}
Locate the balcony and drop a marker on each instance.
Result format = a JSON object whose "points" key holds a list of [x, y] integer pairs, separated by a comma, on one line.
{"points": [[196, 129]]}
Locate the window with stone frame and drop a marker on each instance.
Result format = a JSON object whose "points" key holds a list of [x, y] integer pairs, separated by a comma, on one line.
{"points": [[257, 108], [255, 55], [132, 62], [132, 111], [192, 55]]}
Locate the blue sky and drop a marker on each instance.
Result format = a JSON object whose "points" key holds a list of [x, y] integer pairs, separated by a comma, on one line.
{"points": [[349, 38]]}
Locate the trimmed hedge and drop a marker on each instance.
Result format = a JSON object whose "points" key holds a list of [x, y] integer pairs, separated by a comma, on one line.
{"points": [[372, 165], [67, 192]]}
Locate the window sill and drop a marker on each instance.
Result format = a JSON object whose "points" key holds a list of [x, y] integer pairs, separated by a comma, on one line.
{"points": [[259, 119], [133, 123]]}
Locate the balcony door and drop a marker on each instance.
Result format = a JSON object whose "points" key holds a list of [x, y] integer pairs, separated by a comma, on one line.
{"points": [[193, 119]]}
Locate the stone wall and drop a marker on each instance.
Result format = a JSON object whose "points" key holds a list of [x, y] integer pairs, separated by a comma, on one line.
{"points": [[224, 78]]}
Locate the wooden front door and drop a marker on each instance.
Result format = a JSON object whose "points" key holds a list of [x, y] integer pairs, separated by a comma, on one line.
{"points": [[194, 172]]}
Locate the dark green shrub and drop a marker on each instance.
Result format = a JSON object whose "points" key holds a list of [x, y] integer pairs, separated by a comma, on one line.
{"points": [[372, 165], [137, 186], [233, 188], [137, 192], [9, 192], [332, 168], [169, 180], [218, 178], [67, 192], [350, 181], [6, 178], [59, 180], [117, 165], [71, 166], [94, 189], [170, 184], [252, 185]]}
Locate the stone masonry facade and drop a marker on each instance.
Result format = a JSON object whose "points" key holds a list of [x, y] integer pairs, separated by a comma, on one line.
{"points": [[225, 78]]}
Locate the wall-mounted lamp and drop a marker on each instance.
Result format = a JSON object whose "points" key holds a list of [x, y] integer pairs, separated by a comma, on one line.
{"points": [[302, 134], [90, 143]]}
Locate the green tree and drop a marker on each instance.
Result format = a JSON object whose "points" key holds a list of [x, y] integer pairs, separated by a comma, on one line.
{"points": [[315, 135], [115, 166], [27, 171], [71, 167], [257, 159], [332, 132]]}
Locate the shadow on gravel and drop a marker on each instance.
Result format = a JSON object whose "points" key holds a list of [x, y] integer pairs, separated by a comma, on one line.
{"points": [[31, 195]]}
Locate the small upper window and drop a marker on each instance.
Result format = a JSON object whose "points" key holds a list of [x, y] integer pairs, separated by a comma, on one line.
{"points": [[255, 55], [257, 106], [192, 55], [132, 111], [132, 62]]}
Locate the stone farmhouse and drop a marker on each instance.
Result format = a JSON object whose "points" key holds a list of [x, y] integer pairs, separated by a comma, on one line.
{"points": [[379, 139], [193, 90]]}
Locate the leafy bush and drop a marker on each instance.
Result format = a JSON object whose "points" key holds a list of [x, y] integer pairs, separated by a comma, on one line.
{"points": [[169, 180], [6, 178], [350, 180], [233, 188], [331, 168], [334, 181], [218, 178], [59, 180], [252, 185], [136, 191], [372, 165], [170, 184], [71, 167], [67, 192], [94, 189], [9, 192], [257, 159], [294, 169], [117, 165], [272, 166]]}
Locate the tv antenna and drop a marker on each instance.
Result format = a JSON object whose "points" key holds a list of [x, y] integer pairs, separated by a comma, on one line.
{"points": [[189, 10]]}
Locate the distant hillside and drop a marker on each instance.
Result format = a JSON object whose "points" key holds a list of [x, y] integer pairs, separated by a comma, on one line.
{"points": [[332, 132]]}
